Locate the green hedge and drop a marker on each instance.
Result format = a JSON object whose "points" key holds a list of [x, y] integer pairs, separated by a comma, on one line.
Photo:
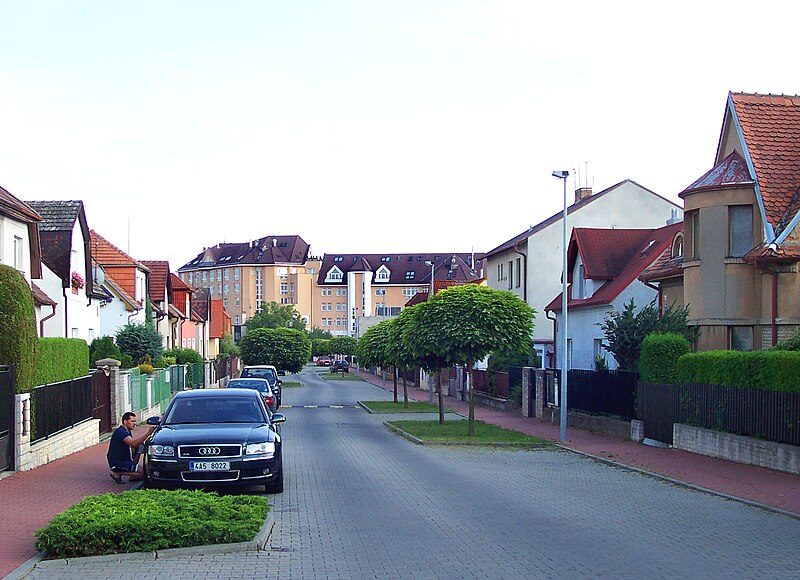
{"points": [[18, 342], [658, 360], [61, 359], [771, 370]]}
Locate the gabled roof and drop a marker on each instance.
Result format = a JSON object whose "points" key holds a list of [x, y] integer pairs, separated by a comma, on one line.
{"points": [[666, 266], [157, 285], [404, 269], [516, 240], [116, 288], [178, 284], [18, 210], [200, 303], [438, 286], [769, 127], [730, 172], [107, 254], [40, 296], [60, 219], [218, 314], [266, 250], [616, 256]]}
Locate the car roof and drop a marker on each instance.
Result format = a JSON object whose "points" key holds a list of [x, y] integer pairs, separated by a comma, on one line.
{"points": [[215, 393], [258, 367], [249, 379]]}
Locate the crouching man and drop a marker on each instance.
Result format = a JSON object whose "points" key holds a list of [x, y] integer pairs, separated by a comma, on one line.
{"points": [[124, 451]]}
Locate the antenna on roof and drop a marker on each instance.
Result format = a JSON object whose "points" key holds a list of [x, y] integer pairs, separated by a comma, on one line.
{"points": [[129, 234]]}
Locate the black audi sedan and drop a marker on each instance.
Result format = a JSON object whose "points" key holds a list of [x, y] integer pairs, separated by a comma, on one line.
{"points": [[215, 437]]}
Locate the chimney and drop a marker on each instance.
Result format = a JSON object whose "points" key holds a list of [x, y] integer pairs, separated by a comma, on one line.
{"points": [[582, 193]]}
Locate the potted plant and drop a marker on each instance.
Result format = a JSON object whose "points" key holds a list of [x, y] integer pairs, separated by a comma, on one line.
{"points": [[76, 282]]}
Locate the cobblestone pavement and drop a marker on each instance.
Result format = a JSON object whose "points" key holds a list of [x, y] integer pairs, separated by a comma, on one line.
{"points": [[361, 502]]}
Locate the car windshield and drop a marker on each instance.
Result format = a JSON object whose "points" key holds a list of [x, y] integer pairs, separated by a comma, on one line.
{"points": [[256, 384], [188, 410], [268, 374]]}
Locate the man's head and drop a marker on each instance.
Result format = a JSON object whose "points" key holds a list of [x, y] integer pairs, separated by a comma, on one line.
{"points": [[129, 420]]}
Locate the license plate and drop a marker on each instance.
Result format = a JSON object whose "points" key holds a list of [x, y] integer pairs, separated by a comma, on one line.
{"points": [[209, 466]]}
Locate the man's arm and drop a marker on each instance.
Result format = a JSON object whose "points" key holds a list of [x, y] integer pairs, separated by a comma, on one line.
{"points": [[134, 443]]}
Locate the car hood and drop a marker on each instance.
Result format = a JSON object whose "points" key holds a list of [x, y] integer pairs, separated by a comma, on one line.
{"points": [[216, 432]]}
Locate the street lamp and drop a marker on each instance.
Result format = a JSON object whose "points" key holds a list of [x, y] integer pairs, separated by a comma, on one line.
{"points": [[564, 371], [430, 297]]}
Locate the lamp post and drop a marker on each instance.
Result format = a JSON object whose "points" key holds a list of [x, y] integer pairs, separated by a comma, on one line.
{"points": [[562, 175]]}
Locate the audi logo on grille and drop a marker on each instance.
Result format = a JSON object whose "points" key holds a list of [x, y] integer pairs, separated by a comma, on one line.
{"points": [[208, 451]]}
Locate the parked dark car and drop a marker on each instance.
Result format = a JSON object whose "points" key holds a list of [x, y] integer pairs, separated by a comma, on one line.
{"points": [[268, 372], [340, 366], [213, 437], [260, 385]]}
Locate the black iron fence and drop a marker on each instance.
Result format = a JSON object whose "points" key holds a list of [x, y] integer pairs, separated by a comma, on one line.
{"points": [[770, 415], [602, 392], [58, 406]]}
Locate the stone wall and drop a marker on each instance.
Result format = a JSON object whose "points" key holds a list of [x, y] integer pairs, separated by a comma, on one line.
{"points": [[747, 450]]}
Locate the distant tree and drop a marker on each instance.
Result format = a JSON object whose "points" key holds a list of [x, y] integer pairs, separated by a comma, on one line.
{"points": [[274, 315], [344, 345], [103, 347], [317, 332], [372, 349], [320, 346], [625, 330], [466, 323], [287, 349], [139, 340], [228, 347], [400, 352]]}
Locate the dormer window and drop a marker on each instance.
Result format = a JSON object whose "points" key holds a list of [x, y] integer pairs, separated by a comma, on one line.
{"points": [[334, 275], [410, 275], [383, 274], [338, 258]]}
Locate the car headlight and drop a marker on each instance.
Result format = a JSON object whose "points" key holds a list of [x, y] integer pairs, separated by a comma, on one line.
{"points": [[161, 451], [266, 448]]}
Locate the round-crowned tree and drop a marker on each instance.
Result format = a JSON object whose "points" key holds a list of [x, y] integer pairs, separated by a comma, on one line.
{"points": [[285, 348], [17, 327]]}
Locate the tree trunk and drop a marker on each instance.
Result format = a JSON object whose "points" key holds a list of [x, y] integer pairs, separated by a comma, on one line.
{"points": [[394, 375], [405, 390], [471, 391]]}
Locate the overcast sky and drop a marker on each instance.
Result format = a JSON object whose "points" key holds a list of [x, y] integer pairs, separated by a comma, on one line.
{"points": [[365, 126]]}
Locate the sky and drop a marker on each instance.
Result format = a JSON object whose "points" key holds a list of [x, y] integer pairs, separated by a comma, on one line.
{"points": [[365, 126]]}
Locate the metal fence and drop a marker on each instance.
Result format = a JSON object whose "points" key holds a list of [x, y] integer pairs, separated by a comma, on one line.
{"points": [[177, 378], [492, 383], [770, 415], [138, 389], [602, 392], [58, 406]]}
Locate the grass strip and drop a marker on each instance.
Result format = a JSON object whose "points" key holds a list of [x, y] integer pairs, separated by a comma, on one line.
{"points": [[291, 384], [392, 407], [455, 431], [148, 520], [329, 376]]}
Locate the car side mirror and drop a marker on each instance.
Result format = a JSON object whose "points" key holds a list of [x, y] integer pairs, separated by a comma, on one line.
{"points": [[278, 418], [279, 382], [153, 420]]}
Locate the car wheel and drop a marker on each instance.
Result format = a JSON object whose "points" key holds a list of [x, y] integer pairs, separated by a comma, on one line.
{"points": [[276, 486]]}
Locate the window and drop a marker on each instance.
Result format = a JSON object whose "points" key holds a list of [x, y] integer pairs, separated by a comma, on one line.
{"points": [[387, 311], [382, 275], [236, 287], [205, 276], [219, 275], [740, 230], [409, 291], [518, 277], [510, 274], [224, 302], [694, 232], [741, 338], [344, 291], [219, 289], [380, 292], [677, 246], [286, 300], [236, 273], [499, 272], [598, 351], [236, 320], [581, 282], [284, 288], [410, 275], [237, 301], [191, 281], [75, 333], [227, 288]]}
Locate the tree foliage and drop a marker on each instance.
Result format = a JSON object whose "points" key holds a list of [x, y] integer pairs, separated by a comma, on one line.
{"points": [[466, 323], [287, 349], [274, 315], [18, 339], [345, 345], [228, 347], [103, 347], [320, 346], [371, 347], [317, 332], [625, 330], [139, 340]]}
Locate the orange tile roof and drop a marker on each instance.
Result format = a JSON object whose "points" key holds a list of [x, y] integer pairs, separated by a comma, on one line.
{"points": [[157, 286], [217, 326], [770, 125], [107, 254]]}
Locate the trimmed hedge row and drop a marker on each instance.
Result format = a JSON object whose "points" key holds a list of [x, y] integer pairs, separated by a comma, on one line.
{"points": [[18, 340], [770, 370], [61, 359], [658, 361]]}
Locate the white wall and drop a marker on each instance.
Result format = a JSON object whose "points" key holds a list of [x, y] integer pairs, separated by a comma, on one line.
{"points": [[9, 229], [113, 316], [83, 313]]}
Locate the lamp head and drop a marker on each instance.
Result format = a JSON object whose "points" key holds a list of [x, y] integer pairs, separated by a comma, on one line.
{"points": [[428, 263], [561, 174]]}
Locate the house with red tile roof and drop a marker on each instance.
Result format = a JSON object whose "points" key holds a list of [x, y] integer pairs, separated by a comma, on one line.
{"points": [[67, 272], [742, 230], [530, 264], [125, 279], [603, 268]]}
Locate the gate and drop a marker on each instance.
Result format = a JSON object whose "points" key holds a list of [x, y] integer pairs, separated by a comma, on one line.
{"points": [[6, 417], [101, 399]]}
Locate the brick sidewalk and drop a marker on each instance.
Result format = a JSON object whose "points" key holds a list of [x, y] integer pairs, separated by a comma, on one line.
{"points": [[754, 484]]}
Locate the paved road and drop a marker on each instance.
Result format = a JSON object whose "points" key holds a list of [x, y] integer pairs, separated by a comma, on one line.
{"points": [[361, 502]]}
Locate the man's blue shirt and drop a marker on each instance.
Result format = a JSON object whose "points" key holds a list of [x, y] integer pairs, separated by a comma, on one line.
{"points": [[119, 453]]}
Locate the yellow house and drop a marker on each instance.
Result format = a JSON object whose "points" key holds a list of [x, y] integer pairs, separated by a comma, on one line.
{"points": [[739, 251]]}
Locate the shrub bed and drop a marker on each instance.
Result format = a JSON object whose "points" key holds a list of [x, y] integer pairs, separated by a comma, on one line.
{"points": [[772, 370], [61, 359], [148, 520], [658, 361]]}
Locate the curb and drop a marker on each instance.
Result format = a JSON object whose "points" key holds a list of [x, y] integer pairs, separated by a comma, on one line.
{"points": [[410, 437], [680, 483], [257, 544]]}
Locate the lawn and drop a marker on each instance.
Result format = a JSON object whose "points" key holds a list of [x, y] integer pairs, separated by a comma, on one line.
{"points": [[392, 407], [329, 376], [455, 431], [291, 384]]}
